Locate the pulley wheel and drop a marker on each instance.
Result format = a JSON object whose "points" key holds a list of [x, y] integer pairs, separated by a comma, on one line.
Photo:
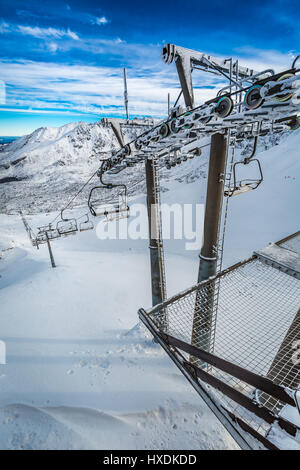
{"points": [[173, 126], [138, 145], [164, 130], [224, 107], [127, 149], [206, 120], [286, 96], [253, 99], [294, 124], [190, 125]]}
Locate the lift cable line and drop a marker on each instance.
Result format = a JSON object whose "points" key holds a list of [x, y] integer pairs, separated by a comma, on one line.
{"points": [[180, 135], [75, 196]]}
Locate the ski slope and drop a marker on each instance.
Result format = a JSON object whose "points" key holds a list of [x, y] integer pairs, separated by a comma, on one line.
{"points": [[80, 373]]}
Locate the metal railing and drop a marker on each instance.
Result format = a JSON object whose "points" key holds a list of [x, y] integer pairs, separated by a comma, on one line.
{"points": [[256, 322]]}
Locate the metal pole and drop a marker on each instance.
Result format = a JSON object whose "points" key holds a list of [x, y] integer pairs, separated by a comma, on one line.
{"points": [[155, 238], [125, 94], [203, 315], [214, 198], [168, 104], [50, 251]]}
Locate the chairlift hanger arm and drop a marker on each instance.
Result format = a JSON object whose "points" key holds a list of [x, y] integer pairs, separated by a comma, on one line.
{"points": [[247, 159], [295, 60]]}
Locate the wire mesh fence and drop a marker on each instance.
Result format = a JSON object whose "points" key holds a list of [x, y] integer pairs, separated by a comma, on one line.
{"points": [[291, 243], [254, 323]]}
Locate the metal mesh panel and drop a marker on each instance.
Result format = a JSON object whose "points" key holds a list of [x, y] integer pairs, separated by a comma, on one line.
{"points": [[254, 325], [292, 244]]}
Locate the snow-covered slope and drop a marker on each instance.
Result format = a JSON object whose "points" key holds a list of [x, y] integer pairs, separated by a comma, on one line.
{"points": [[79, 373]]}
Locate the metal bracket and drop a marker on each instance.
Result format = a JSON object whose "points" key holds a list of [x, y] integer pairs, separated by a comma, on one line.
{"points": [[187, 59], [115, 124]]}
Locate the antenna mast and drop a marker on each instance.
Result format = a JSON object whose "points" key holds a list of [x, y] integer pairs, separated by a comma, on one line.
{"points": [[125, 94]]}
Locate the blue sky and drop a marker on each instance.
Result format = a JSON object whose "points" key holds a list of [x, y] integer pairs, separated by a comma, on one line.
{"points": [[62, 61]]}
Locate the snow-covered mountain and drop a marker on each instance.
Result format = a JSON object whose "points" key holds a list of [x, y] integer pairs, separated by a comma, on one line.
{"points": [[71, 144], [43, 170]]}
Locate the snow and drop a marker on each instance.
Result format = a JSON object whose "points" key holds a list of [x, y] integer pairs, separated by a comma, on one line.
{"points": [[58, 158], [80, 374]]}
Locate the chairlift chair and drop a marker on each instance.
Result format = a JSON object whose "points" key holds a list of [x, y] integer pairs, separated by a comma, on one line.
{"points": [[44, 232], [103, 203], [85, 224], [246, 184], [66, 226], [108, 200], [41, 236], [243, 185], [53, 233]]}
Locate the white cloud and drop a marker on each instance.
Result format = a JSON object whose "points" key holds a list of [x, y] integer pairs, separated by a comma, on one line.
{"points": [[72, 35], [101, 21], [37, 32], [2, 92], [52, 46], [99, 90], [91, 89], [260, 59], [41, 111], [4, 27], [46, 32]]}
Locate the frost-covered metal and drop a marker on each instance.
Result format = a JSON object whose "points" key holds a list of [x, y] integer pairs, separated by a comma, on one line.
{"points": [[255, 327]]}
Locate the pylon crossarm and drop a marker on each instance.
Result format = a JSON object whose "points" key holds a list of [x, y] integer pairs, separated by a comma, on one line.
{"points": [[272, 103]]}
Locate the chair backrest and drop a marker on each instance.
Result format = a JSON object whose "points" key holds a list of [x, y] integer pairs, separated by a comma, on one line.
{"points": [[108, 200], [67, 227]]}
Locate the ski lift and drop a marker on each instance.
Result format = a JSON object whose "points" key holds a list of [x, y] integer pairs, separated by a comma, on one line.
{"points": [[85, 224], [242, 185], [108, 200], [66, 226], [52, 233], [44, 232], [41, 236]]}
